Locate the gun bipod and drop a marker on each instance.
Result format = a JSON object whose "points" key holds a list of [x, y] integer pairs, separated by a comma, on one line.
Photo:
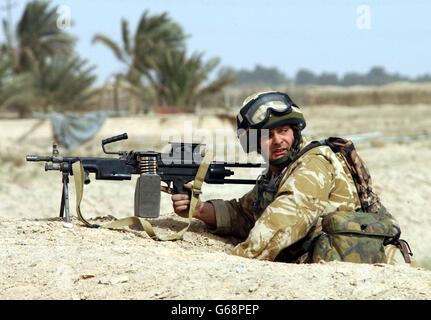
{"points": [[64, 207]]}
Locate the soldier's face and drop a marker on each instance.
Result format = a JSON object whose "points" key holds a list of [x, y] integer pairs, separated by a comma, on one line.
{"points": [[278, 142]]}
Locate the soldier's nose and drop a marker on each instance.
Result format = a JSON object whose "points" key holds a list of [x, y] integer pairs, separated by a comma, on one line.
{"points": [[276, 138]]}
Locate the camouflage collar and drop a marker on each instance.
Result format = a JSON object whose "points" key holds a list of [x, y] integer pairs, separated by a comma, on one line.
{"points": [[298, 144]]}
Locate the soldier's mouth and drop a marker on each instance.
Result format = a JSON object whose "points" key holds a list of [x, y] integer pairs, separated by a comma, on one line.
{"points": [[279, 152]]}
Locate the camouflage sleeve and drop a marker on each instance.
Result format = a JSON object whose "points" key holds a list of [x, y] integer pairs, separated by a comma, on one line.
{"points": [[235, 217], [301, 199]]}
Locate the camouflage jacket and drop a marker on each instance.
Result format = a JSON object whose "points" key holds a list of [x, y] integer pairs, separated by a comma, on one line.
{"points": [[316, 184]]}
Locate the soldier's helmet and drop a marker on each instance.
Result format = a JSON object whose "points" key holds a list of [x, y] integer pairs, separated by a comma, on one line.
{"points": [[267, 110]]}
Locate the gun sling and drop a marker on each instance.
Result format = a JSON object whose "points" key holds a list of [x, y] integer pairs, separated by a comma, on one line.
{"points": [[78, 174]]}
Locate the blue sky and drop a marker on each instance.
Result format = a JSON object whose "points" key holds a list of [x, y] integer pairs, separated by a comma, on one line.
{"points": [[333, 36]]}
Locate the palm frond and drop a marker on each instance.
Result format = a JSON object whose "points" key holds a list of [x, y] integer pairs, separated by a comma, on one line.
{"points": [[115, 48]]}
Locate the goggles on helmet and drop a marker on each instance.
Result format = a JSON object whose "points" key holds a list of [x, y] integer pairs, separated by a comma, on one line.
{"points": [[256, 112]]}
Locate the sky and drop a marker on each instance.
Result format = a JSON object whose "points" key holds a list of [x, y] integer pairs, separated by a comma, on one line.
{"points": [[323, 36]]}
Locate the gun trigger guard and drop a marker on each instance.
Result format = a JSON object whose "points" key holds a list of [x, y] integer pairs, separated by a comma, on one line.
{"points": [[167, 190]]}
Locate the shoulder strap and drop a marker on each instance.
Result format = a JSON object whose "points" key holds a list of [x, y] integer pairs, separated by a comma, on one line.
{"points": [[370, 202], [308, 147], [300, 153]]}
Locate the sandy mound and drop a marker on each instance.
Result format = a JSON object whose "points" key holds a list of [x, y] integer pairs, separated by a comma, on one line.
{"points": [[42, 259]]}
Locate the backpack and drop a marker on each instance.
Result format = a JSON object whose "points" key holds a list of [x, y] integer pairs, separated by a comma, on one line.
{"points": [[357, 236]]}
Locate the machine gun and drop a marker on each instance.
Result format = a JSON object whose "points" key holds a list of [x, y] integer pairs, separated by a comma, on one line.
{"points": [[175, 168]]}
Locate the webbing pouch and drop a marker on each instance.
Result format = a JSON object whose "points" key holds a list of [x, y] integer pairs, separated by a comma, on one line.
{"points": [[352, 237]]}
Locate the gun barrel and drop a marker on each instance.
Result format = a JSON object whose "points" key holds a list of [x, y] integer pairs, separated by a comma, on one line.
{"points": [[239, 181], [243, 165], [38, 158]]}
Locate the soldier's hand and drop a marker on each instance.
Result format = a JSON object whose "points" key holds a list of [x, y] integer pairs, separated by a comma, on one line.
{"points": [[204, 211], [181, 202]]}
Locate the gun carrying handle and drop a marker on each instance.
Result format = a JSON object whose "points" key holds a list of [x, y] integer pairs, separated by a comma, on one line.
{"points": [[115, 138]]}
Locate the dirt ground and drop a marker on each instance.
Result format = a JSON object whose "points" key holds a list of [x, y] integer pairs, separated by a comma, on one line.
{"points": [[45, 258]]}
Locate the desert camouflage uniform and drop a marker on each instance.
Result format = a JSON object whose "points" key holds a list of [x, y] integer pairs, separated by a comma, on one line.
{"points": [[316, 184]]}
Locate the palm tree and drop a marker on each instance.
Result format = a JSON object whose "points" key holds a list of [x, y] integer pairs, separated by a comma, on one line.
{"points": [[139, 52], [16, 91], [42, 71], [182, 81], [154, 35], [36, 37], [157, 65], [65, 82]]}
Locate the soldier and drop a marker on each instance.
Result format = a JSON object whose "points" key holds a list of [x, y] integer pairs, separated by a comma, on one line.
{"points": [[279, 216]]}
